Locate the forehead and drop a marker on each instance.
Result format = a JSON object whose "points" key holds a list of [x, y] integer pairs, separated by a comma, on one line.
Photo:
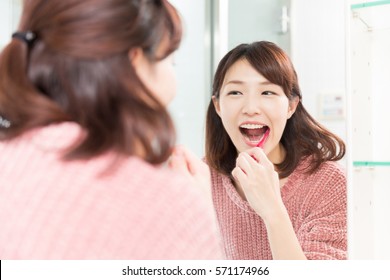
{"points": [[243, 71]]}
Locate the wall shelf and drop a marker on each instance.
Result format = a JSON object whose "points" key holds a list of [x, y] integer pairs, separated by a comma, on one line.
{"points": [[369, 4], [370, 163]]}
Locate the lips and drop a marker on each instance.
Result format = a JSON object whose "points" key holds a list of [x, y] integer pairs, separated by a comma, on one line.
{"points": [[254, 133]]}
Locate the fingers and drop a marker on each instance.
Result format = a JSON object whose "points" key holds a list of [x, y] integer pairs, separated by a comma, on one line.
{"points": [[258, 155], [195, 165], [238, 174], [245, 162], [183, 159], [178, 162], [252, 158], [252, 161], [197, 171]]}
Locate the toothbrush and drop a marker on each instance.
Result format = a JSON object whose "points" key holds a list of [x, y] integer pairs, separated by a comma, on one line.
{"points": [[265, 137]]}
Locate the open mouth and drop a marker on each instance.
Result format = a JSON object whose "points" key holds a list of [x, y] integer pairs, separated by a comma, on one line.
{"points": [[255, 133]]}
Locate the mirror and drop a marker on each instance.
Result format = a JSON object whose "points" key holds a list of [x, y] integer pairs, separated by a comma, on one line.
{"points": [[313, 33]]}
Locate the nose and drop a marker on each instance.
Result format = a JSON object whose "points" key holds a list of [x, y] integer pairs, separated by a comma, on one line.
{"points": [[251, 106]]}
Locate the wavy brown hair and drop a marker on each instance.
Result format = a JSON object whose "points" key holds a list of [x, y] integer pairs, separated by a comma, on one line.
{"points": [[302, 137], [78, 70]]}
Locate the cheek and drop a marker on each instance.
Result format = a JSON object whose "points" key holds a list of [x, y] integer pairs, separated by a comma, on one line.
{"points": [[164, 84], [278, 117], [170, 84], [227, 122], [229, 116]]}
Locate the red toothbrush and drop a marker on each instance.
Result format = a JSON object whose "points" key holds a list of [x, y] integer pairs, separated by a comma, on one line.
{"points": [[265, 137]]}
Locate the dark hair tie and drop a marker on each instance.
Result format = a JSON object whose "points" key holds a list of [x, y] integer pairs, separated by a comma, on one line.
{"points": [[28, 37]]}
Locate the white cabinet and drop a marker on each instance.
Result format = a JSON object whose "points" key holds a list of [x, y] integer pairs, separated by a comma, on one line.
{"points": [[369, 102]]}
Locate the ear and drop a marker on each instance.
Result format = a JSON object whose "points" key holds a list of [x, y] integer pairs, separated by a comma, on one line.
{"points": [[136, 55], [293, 104], [140, 63], [216, 105]]}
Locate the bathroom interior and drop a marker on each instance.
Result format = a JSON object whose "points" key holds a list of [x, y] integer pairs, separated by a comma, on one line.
{"points": [[340, 50]]}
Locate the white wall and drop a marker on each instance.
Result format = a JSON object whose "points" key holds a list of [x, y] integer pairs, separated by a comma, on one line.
{"points": [[318, 54]]}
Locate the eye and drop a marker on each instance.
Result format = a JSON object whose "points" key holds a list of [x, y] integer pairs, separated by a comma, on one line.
{"points": [[267, 92], [233, 92]]}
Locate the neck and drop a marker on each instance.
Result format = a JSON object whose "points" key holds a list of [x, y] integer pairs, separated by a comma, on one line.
{"points": [[277, 155]]}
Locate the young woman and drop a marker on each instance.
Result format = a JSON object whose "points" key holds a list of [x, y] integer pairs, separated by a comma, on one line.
{"points": [[277, 190], [84, 132]]}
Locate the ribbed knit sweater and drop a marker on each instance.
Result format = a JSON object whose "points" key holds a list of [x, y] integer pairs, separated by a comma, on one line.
{"points": [[51, 209], [317, 206]]}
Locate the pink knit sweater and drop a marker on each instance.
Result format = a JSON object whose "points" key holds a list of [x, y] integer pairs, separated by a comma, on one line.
{"points": [[51, 209], [317, 206]]}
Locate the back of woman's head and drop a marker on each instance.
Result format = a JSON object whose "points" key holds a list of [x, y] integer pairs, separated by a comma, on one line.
{"points": [[303, 136], [78, 69]]}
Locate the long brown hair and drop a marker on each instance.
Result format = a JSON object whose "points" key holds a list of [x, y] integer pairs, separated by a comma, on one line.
{"points": [[302, 137], [78, 69]]}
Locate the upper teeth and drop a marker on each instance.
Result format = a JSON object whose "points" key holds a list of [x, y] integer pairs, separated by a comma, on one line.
{"points": [[252, 126]]}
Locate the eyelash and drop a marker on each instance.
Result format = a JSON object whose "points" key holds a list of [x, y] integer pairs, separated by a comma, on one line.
{"points": [[234, 93], [266, 92]]}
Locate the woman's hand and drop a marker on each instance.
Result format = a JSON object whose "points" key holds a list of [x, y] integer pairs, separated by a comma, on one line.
{"points": [[188, 164], [256, 175], [260, 183]]}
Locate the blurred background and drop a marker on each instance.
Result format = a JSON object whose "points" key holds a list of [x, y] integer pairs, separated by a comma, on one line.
{"points": [[340, 49]]}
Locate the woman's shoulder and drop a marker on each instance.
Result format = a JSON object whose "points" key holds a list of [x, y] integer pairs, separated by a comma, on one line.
{"points": [[50, 137], [330, 170], [46, 145], [329, 177], [327, 169], [328, 180]]}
